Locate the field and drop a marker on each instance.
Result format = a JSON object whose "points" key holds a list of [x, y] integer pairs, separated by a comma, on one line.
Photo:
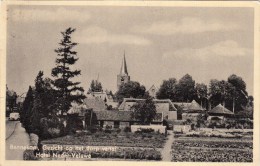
{"points": [[212, 149], [138, 146]]}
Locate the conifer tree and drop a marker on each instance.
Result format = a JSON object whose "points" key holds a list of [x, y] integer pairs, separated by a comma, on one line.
{"points": [[67, 90]]}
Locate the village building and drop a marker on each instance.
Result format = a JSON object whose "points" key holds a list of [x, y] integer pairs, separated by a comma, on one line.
{"points": [[219, 114], [165, 107], [189, 111], [105, 96], [152, 91]]}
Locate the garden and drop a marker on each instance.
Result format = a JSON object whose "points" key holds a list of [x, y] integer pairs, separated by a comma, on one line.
{"points": [[138, 145], [101, 138], [212, 149]]}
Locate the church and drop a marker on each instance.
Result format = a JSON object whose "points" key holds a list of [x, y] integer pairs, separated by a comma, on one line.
{"points": [[123, 76]]}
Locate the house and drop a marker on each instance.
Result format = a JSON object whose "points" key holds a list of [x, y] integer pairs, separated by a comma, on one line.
{"points": [[104, 96], [95, 103], [165, 107], [121, 119], [219, 114], [190, 110]]}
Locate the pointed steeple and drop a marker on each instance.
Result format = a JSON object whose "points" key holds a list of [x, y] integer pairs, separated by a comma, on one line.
{"points": [[123, 70]]}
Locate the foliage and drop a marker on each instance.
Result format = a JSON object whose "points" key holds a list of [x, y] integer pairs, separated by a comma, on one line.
{"points": [[144, 111], [29, 155], [185, 89], [95, 86], [67, 91], [201, 93], [232, 93], [167, 90], [130, 89], [27, 109], [11, 97]]}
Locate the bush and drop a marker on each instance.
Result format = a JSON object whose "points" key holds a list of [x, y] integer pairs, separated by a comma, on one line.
{"points": [[29, 155], [54, 132]]}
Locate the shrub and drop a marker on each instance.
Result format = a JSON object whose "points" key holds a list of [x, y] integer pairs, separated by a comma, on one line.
{"points": [[29, 155]]}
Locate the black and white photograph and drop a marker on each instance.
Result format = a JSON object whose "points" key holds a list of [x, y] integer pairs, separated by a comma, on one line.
{"points": [[136, 83]]}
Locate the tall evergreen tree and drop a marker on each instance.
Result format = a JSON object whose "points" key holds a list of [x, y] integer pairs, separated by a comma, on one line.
{"points": [[67, 90], [27, 108]]}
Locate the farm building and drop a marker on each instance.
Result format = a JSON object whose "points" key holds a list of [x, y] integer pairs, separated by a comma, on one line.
{"points": [[219, 114], [189, 110], [112, 118], [165, 107]]}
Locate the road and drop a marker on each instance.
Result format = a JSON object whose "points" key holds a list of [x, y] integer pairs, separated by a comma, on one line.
{"points": [[15, 136]]}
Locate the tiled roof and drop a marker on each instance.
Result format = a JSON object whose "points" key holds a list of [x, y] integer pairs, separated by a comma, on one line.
{"points": [[219, 109]]}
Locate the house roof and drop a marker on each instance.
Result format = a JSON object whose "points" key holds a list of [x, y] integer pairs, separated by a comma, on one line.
{"points": [[112, 115], [96, 103], [192, 106], [128, 102], [219, 109]]}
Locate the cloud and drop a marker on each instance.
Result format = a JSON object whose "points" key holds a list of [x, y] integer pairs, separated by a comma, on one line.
{"points": [[59, 14], [97, 35], [228, 48], [185, 26]]}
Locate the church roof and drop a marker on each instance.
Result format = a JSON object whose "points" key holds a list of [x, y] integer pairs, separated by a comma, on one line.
{"points": [[123, 70]]}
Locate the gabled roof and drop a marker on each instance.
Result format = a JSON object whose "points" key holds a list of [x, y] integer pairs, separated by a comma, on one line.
{"points": [[192, 106], [219, 109], [153, 87], [96, 103], [125, 116], [128, 102]]}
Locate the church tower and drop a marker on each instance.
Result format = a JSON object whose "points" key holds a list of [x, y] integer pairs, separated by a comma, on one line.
{"points": [[123, 76]]}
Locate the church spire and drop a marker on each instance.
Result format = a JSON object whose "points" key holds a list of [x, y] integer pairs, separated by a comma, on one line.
{"points": [[123, 70]]}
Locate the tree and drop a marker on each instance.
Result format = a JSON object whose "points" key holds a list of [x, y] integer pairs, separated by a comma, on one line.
{"points": [[95, 86], [239, 93], [44, 97], [27, 109], [130, 89], [11, 98], [221, 92], [201, 92], [185, 89], [167, 89], [144, 111], [66, 89]]}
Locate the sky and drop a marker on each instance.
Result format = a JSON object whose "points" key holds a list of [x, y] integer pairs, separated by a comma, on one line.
{"points": [[159, 43]]}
